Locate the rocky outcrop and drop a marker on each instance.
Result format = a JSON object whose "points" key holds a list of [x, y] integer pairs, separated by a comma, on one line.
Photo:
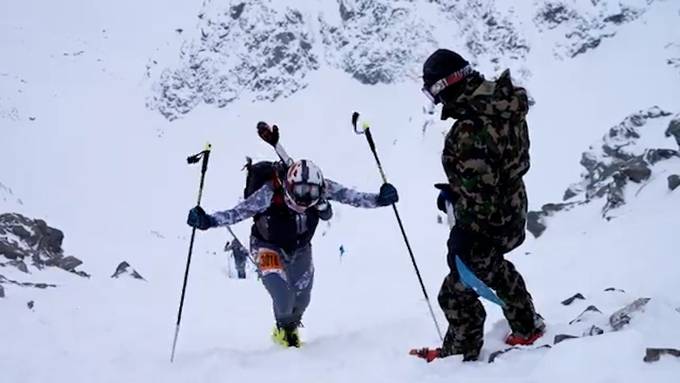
{"points": [[536, 223], [586, 27], [124, 268], [621, 158], [266, 49], [25, 240], [674, 130], [4, 280], [251, 47], [375, 40]]}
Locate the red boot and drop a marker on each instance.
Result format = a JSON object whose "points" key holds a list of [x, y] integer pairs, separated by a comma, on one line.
{"points": [[522, 340], [519, 340], [429, 354]]}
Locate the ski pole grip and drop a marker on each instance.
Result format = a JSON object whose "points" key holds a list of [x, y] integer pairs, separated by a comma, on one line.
{"points": [[206, 156]]}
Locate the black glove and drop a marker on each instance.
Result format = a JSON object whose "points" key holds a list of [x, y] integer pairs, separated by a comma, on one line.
{"points": [[269, 134], [325, 209], [445, 195], [388, 195], [199, 219]]}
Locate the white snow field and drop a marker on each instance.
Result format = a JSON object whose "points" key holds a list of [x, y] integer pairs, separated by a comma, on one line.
{"points": [[80, 149]]}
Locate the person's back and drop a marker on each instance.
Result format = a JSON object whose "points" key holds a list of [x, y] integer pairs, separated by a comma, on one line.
{"points": [[486, 153]]}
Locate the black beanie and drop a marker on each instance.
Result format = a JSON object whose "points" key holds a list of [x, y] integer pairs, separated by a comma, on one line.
{"points": [[440, 64]]}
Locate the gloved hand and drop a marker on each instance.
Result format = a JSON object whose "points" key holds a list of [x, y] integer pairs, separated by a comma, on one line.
{"points": [[388, 195], [199, 219], [445, 195], [325, 210], [269, 134]]}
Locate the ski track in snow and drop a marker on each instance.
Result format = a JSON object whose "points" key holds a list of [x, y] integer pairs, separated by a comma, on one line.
{"points": [[100, 166]]}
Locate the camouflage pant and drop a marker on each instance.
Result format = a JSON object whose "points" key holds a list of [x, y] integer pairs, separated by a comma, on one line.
{"points": [[461, 304]]}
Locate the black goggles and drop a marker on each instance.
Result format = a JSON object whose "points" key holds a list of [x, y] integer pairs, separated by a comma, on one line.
{"points": [[432, 91], [305, 194]]}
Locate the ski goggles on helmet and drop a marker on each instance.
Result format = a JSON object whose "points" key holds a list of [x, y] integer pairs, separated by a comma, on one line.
{"points": [[432, 91], [304, 195]]}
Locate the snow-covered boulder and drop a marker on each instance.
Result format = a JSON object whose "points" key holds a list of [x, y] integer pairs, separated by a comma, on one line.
{"points": [[29, 240], [124, 268]]}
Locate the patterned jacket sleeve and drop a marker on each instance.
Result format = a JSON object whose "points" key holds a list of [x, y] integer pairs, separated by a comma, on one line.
{"points": [[343, 194], [471, 165], [255, 203]]}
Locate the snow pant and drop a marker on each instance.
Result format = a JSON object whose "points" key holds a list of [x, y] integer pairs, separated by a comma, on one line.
{"points": [[287, 276], [461, 305]]}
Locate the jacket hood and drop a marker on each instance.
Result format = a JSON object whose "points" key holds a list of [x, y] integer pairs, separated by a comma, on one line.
{"points": [[498, 98]]}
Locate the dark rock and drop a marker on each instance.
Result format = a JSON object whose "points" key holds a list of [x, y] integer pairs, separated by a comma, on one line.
{"points": [[19, 264], [124, 268], [673, 181], [622, 317], [656, 155], [50, 238], [569, 194], [582, 316], [654, 354], [30, 305], [615, 196], [674, 130], [562, 337], [345, 13], [571, 299], [236, 10], [637, 172], [69, 263], [11, 252], [81, 273], [535, 223], [2, 292], [554, 14], [608, 289], [535, 219], [594, 330], [36, 241]]}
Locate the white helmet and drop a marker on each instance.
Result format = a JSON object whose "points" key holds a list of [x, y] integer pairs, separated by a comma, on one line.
{"points": [[303, 186]]}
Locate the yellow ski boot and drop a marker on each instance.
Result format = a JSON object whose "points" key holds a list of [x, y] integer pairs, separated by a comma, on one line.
{"points": [[287, 336]]}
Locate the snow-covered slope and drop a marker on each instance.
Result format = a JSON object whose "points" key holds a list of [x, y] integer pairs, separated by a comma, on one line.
{"points": [[86, 149]]}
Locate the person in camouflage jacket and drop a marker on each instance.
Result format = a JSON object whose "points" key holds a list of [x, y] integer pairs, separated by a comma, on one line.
{"points": [[485, 155]]}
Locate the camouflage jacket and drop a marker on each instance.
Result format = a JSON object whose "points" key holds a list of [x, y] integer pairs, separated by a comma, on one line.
{"points": [[485, 155]]}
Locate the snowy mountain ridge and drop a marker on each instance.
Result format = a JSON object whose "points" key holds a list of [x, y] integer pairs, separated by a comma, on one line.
{"points": [[266, 49]]}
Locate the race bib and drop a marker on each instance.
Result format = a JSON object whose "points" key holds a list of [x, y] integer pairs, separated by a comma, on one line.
{"points": [[269, 261]]}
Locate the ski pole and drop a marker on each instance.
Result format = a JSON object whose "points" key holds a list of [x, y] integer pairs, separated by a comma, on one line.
{"points": [[205, 155], [365, 130]]}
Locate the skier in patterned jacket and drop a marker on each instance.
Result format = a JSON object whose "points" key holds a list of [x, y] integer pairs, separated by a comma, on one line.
{"points": [[485, 155], [286, 211]]}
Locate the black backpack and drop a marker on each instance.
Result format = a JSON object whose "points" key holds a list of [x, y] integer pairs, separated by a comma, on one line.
{"points": [[260, 173]]}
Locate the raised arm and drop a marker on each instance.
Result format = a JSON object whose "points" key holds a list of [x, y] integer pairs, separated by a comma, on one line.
{"points": [[340, 193], [255, 203]]}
